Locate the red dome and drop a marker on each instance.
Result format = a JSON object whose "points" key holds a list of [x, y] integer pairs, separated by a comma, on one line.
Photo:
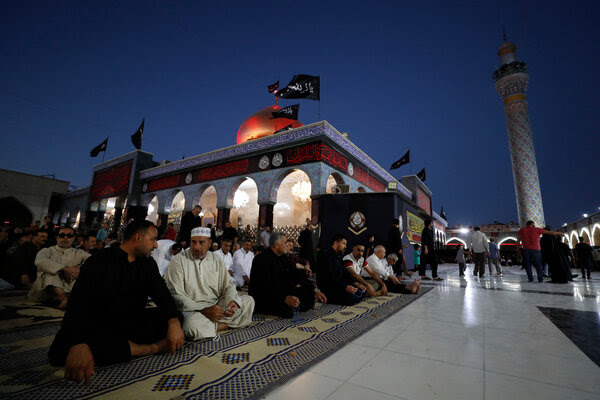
{"points": [[261, 124]]}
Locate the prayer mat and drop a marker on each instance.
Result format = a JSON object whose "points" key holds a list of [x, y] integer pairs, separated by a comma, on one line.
{"points": [[16, 310], [242, 364]]}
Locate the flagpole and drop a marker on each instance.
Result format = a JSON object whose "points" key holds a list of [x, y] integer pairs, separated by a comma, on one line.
{"points": [[103, 154]]}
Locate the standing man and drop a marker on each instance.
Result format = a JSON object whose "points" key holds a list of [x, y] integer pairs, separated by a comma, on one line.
{"points": [[264, 236], [189, 221], [479, 248], [428, 256], [334, 280], [242, 264], [107, 321], [230, 233], [277, 286], [584, 257], [494, 255], [204, 292], [529, 236], [57, 269]]}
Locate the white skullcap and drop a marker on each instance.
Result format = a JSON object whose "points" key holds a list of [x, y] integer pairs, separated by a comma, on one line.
{"points": [[200, 231]]}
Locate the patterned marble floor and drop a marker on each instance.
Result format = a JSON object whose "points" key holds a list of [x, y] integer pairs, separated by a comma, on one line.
{"points": [[491, 338]]}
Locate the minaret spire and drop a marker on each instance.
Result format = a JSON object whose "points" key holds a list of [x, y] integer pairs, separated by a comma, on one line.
{"points": [[511, 84]]}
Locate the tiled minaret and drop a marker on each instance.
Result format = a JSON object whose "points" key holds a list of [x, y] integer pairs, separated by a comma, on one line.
{"points": [[511, 83]]}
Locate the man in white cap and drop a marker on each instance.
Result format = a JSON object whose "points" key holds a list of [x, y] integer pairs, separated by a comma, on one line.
{"points": [[204, 292]]}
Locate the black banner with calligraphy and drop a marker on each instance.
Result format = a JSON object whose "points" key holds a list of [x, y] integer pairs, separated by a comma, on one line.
{"points": [[289, 112], [302, 87]]}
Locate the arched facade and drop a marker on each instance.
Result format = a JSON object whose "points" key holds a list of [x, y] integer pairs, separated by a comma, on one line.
{"points": [[511, 239], [574, 239], [451, 241], [596, 235], [294, 202], [244, 203], [585, 233]]}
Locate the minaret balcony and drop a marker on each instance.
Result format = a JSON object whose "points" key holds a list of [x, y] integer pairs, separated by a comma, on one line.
{"points": [[508, 69]]}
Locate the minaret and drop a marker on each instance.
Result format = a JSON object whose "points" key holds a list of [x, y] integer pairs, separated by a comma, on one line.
{"points": [[511, 83]]}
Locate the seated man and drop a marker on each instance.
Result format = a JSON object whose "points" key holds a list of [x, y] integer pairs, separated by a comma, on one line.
{"points": [[107, 321], [57, 269], [334, 280], [357, 267], [242, 264], [225, 253], [21, 271], [163, 254], [377, 264], [277, 286], [204, 292]]}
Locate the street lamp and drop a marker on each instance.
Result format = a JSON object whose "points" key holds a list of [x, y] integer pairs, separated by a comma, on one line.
{"points": [[585, 215]]}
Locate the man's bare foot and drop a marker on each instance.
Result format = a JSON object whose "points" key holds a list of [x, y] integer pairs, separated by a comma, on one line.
{"points": [[63, 304], [137, 350], [221, 327]]}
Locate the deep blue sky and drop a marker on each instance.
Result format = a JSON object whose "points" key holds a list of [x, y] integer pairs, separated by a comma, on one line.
{"points": [[395, 76]]}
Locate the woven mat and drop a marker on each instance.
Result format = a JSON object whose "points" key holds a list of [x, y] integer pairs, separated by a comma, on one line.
{"points": [[242, 364]]}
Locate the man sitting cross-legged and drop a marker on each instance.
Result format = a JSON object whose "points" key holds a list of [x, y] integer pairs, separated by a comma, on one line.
{"points": [[357, 267], [386, 272], [278, 287], [57, 269], [107, 321], [204, 291]]}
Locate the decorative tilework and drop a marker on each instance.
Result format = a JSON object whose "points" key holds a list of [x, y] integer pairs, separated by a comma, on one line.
{"points": [[256, 318], [278, 342], [311, 329], [173, 382], [347, 312], [330, 320], [234, 358]]}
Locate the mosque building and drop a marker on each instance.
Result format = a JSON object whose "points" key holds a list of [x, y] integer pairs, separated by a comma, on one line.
{"points": [[268, 178]]}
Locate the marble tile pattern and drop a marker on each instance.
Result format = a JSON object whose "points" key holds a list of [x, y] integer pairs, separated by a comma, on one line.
{"points": [[499, 337]]}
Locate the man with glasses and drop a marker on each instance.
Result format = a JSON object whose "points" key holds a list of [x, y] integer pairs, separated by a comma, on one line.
{"points": [[57, 270]]}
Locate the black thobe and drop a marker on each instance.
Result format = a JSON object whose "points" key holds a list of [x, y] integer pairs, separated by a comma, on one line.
{"points": [[188, 222], [229, 233], [333, 278], [107, 308], [553, 253], [272, 279], [307, 249], [23, 263], [431, 257], [585, 258]]}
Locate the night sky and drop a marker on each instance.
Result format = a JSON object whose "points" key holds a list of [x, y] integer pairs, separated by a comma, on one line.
{"points": [[394, 75]]}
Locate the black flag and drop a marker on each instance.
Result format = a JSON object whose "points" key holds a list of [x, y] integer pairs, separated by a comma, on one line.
{"points": [[289, 112], [404, 160], [421, 175], [301, 87], [101, 147], [136, 138], [273, 87], [443, 214], [287, 128]]}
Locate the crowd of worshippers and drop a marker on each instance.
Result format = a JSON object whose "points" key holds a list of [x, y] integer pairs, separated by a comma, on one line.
{"points": [[197, 291]]}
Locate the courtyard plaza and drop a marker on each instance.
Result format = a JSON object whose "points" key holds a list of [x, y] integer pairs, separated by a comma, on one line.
{"points": [[471, 338]]}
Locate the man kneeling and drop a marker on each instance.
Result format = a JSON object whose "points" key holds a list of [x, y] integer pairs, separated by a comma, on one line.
{"points": [[204, 292], [107, 321]]}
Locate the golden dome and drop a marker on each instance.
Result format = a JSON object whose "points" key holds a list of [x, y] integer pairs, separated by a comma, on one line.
{"points": [[262, 123]]}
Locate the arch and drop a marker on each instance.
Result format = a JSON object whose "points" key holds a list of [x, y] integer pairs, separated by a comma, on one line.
{"points": [[596, 235], [514, 239], [293, 204], [585, 232], [198, 195], [333, 179], [233, 189], [244, 203], [574, 239], [284, 174], [565, 239], [171, 198], [15, 212], [152, 214], [208, 201], [457, 239]]}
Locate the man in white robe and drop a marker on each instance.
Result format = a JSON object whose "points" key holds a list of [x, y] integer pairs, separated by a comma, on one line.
{"points": [[57, 269], [225, 253], [166, 250], [204, 292], [242, 264]]}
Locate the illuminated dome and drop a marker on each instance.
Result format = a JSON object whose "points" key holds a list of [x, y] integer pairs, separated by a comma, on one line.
{"points": [[261, 124]]}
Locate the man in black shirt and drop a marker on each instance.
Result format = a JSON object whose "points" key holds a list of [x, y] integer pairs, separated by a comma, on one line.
{"points": [[107, 321], [189, 221], [277, 286], [334, 279], [584, 257], [230, 233], [428, 256]]}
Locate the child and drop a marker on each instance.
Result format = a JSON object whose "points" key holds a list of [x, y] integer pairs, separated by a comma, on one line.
{"points": [[460, 258], [416, 257]]}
